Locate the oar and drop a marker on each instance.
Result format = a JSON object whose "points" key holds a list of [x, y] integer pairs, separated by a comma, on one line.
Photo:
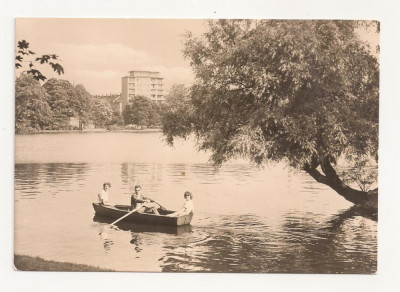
{"points": [[158, 204], [126, 215]]}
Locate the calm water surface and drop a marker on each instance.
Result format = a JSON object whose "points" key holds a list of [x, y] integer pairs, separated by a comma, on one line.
{"points": [[246, 219]]}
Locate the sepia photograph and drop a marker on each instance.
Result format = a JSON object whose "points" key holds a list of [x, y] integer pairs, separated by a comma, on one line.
{"points": [[196, 145]]}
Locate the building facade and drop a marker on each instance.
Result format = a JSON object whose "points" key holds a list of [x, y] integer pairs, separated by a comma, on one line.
{"points": [[144, 83]]}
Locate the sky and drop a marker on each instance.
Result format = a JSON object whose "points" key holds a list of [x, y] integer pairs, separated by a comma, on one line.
{"points": [[99, 52]]}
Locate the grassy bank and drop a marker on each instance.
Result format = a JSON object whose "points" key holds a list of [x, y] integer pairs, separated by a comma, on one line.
{"points": [[27, 263]]}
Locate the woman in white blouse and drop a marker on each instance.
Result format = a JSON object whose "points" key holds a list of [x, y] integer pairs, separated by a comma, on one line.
{"points": [[187, 207]]}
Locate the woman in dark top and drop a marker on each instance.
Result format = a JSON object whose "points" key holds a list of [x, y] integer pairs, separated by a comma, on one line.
{"points": [[143, 204]]}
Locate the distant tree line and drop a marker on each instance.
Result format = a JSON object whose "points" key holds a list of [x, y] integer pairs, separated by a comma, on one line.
{"points": [[52, 105], [143, 112]]}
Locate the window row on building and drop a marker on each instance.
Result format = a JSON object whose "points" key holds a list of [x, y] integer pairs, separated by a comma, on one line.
{"points": [[144, 83]]}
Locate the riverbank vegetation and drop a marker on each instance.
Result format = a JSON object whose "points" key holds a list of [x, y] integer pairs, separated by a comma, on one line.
{"points": [[57, 105], [142, 112], [53, 105], [302, 92], [27, 263]]}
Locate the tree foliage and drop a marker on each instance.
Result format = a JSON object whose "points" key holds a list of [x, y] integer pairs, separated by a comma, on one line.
{"points": [[25, 55], [304, 92], [177, 113], [52, 105], [62, 101], [155, 115], [101, 112], [32, 112], [83, 105], [142, 112]]}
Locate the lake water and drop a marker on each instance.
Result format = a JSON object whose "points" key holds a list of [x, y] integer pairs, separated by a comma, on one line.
{"points": [[246, 219]]}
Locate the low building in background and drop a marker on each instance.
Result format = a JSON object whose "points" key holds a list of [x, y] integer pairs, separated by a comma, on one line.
{"points": [[114, 100], [144, 83], [76, 124]]}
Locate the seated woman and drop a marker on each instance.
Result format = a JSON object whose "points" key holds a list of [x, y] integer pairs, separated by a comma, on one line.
{"points": [[103, 195], [187, 207], [143, 204]]}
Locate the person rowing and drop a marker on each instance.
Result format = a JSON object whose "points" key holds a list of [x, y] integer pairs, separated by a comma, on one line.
{"points": [[143, 204]]}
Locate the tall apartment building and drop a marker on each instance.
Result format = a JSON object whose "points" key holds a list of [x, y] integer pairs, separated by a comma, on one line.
{"points": [[145, 83]]}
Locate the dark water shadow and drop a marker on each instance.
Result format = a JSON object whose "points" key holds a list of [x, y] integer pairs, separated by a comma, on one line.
{"points": [[141, 228], [356, 211], [227, 243], [304, 243], [333, 246]]}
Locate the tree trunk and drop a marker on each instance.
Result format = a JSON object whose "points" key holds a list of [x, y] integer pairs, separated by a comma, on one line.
{"points": [[368, 201]]}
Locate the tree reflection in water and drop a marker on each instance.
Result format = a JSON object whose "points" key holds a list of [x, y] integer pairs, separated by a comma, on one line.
{"points": [[31, 177], [54, 217], [302, 244], [105, 232], [298, 244], [330, 247]]}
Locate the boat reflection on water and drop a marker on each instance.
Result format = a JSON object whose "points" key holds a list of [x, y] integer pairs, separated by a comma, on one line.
{"points": [[110, 235], [140, 228]]}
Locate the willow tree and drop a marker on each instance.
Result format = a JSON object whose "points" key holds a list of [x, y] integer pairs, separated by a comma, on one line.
{"points": [[302, 92]]}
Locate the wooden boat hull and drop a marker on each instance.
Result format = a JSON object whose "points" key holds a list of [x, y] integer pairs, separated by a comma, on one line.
{"points": [[117, 211]]}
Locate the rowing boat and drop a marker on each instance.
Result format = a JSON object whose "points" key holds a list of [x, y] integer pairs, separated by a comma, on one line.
{"points": [[117, 211], [139, 228]]}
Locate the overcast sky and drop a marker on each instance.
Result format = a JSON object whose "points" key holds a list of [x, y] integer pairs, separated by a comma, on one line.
{"points": [[99, 52]]}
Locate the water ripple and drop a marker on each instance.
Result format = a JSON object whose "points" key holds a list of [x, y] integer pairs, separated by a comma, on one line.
{"points": [[242, 223]]}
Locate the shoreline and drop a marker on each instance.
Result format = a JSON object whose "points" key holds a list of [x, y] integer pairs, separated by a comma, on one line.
{"points": [[28, 263], [92, 131]]}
